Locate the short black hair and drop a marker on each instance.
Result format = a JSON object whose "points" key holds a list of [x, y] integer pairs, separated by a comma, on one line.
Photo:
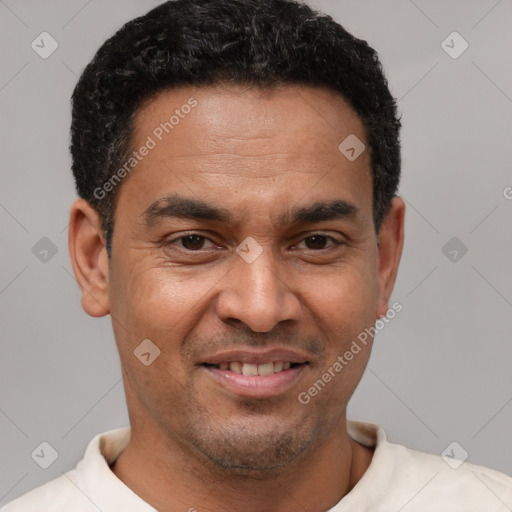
{"points": [[263, 43]]}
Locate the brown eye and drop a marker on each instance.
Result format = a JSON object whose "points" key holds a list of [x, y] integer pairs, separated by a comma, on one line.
{"points": [[192, 242], [319, 242], [316, 241]]}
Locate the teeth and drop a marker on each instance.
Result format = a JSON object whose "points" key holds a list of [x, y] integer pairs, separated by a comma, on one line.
{"points": [[278, 366], [250, 369], [236, 366], [266, 369], [263, 370]]}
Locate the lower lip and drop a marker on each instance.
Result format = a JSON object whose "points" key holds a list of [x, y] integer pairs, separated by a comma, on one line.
{"points": [[257, 386]]}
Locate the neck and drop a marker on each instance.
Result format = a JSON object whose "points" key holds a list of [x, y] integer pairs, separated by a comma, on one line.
{"points": [[171, 477]]}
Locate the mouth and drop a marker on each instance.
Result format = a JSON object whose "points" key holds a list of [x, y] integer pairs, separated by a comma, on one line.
{"points": [[250, 373], [260, 369]]}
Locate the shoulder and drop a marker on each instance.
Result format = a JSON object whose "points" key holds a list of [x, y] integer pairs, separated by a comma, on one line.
{"points": [[85, 487], [53, 496], [448, 483], [400, 478]]}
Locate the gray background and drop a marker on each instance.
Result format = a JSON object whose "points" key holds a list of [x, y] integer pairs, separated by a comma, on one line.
{"points": [[440, 371]]}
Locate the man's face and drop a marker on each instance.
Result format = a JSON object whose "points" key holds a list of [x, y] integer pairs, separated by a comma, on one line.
{"points": [[264, 163]]}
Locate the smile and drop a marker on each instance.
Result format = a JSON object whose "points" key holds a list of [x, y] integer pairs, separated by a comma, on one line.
{"points": [[263, 369], [255, 385]]}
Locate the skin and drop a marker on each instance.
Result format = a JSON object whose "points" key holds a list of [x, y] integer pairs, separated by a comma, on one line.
{"points": [[258, 154]]}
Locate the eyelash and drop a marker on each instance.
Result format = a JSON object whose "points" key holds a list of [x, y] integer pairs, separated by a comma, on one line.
{"points": [[332, 239]]}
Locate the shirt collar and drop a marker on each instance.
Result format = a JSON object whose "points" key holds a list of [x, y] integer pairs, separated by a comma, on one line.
{"points": [[97, 481]]}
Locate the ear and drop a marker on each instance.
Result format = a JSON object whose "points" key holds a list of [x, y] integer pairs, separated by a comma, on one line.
{"points": [[88, 253], [391, 241]]}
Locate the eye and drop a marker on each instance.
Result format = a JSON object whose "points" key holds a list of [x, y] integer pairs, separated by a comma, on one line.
{"points": [[191, 242], [194, 242], [319, 242]]}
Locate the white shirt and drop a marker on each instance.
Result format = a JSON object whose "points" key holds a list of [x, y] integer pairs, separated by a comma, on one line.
{"points": [[398, 479]]}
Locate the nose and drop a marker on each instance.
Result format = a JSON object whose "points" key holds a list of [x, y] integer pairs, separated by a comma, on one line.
{"points": [[256, 294]]}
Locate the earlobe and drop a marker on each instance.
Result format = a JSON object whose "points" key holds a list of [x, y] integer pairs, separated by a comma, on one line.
{"points": [[391, 241], [89, 257]]}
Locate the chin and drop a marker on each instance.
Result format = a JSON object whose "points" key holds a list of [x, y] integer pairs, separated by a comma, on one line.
{"points": [[249, 450]]}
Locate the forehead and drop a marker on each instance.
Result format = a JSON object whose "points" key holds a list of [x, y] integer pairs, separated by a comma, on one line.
{"points": [[300, 119], [236, 144]]}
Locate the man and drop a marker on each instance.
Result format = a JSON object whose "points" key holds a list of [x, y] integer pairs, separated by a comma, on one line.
{"points": [[237, 163]]}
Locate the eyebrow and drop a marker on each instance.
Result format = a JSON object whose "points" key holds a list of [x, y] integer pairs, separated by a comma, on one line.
{"points": [[179, 207]]}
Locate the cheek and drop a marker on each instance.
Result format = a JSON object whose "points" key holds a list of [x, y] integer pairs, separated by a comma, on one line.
{"points": [[344, 310], [179, 296], [156, 305], [162, 305], [345, 302]]}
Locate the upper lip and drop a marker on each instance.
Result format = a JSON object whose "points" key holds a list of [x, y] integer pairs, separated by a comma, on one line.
{"points": [[255, 355]]}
